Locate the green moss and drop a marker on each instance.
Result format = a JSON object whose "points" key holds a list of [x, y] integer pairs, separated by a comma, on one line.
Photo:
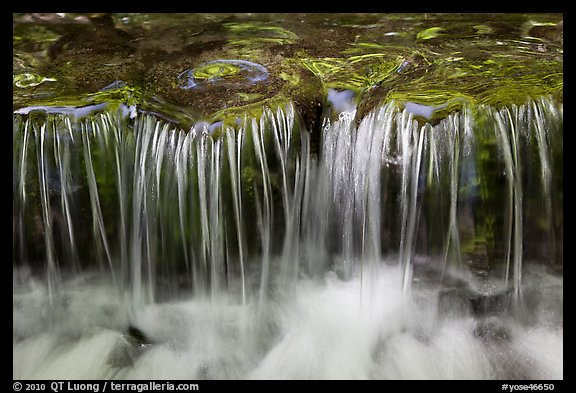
{"points": [[113, 97], [257, 33], [248, 183], [483, 29], [432, 32], [259, 27], [249, 97], [216, 70]]}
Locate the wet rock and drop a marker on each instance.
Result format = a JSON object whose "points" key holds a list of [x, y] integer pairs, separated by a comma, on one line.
{"points": [[123, 355], [483, 304], [550, 32], [133, 344], [464, 301], [137, 336], [492, 329]]}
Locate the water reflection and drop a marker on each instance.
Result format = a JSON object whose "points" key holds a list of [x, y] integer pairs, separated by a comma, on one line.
{"points": [[230, 73]]}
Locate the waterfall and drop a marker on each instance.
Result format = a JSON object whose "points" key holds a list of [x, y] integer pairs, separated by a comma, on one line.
{"points": [[165, 204], [248, 213]]}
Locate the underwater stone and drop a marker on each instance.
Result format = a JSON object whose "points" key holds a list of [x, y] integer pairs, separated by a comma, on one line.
{"points": [[230, 73], [490, 329], [464, 301], [490, 304]]}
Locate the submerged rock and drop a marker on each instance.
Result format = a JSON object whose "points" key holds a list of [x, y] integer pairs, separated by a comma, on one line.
{"points": [[229, 73], [465, 301], [492, 329], [128, 350]]}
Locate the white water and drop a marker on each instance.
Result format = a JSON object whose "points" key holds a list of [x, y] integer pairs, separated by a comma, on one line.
{"points": [[323, 330]]}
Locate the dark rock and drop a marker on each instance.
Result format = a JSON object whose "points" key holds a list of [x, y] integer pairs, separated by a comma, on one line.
{"points": [[464, 301], [492, 329], [490, 304], [137, 336]]}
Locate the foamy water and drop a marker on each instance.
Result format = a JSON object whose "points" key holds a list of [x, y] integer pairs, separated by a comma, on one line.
{"points": [[329, 329]]}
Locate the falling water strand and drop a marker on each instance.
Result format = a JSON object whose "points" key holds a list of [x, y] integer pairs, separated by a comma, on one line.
{"points": [[509, 146], [98, 222], [22, 187], [542, 136], [62, 155], [452, 238], [202, 157], [216, 229], [517, 207], [161, 150], [338, 142], [369, 155], [52, 263], [182, 164], [281, 144], [507, 154], [139, 216], [300, 175], [120, 157], [413, 213], [411, 156], [234, 163], [264, 213]]}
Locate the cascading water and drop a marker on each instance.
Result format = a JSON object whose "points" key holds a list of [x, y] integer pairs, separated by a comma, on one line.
{"points": [[400, 250]]}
